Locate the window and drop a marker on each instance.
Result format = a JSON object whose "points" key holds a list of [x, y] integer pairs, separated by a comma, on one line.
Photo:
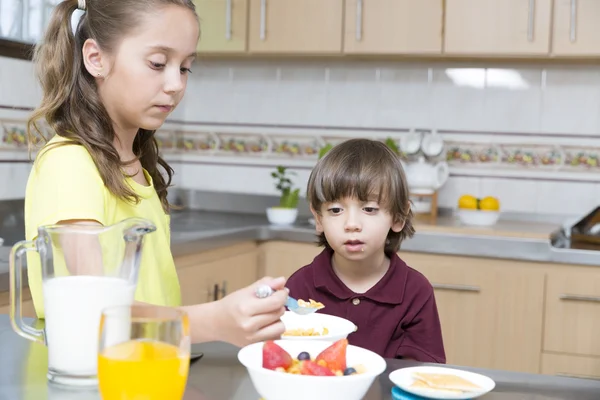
{"points": [[22, 23]]}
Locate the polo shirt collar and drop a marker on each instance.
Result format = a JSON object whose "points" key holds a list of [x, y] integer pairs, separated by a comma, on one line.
{"points": [[384, 291]]}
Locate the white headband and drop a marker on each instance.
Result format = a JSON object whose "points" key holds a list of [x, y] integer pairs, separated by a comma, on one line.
{"points": [[81, 4]]}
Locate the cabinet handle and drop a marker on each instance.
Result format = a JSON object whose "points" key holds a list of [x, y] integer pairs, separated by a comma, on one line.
{"points": [[595, 378], [531, 20], [573, 35], [224, 289], [577, 297], [459, 288], [228, 20], [359, 18], [263, 19], [216, 292]]}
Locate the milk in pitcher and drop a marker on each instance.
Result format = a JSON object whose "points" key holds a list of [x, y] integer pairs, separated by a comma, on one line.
{"points": [[73, 307]]}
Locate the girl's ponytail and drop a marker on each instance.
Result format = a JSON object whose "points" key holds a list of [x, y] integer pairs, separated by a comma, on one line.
{"points": [[57, 61]]}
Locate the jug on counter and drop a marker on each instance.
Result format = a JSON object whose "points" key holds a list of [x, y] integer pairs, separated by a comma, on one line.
{"points": [[82, 269]]}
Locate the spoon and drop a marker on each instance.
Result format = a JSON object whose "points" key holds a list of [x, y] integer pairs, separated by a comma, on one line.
{"points": [[291, 303]]}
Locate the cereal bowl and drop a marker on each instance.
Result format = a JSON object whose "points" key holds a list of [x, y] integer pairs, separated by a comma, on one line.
{"points": [[322, 326], [276, 385]]}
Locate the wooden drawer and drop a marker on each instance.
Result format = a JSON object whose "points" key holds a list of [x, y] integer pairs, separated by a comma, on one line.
{"points": [[572, 366], [573, 313]]}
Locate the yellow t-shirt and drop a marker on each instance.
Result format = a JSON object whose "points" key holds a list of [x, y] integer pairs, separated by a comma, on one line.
{"points": [[64, 184]]}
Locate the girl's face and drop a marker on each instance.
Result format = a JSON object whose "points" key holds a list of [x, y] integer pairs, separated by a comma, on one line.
{"points": [[145, 79]]}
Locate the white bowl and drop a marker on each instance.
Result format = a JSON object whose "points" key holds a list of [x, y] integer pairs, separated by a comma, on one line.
{"points": [[339, 328], [478, 217], [274, 385], [282, 216]]}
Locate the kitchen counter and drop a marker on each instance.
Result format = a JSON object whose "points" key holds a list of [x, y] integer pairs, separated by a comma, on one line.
{"points": [[194, 231], [219, 376]]}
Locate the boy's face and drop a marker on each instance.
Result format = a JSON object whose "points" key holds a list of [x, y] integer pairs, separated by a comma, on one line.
{"points": [[354, 229]]}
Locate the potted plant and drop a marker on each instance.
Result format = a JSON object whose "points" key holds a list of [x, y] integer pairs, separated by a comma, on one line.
{"points": [[287, 210]]}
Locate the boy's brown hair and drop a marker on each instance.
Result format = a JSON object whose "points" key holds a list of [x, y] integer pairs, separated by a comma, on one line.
{"points": [[362, 168]]}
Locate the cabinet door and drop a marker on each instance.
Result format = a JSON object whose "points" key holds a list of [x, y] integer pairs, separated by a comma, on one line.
{"points": [[571, 366], [285, 258], [223, 25], [296, 26], [576, 31], [393, 27], [210, 275], [498, 28], [573, 313], [491, 310]]}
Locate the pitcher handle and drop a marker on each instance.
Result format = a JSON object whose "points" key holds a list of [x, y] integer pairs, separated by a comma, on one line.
{"points": [[16, 292]]}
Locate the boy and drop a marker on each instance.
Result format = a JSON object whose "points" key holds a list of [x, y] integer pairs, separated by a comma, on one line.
{"points": [[359, 197]]}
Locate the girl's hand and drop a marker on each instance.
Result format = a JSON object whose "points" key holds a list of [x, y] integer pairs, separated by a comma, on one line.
{"points": [[241, 318]]}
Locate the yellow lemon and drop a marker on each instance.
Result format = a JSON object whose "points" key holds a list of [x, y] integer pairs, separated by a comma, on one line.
{"points": [[489, 203], [468, 202]]}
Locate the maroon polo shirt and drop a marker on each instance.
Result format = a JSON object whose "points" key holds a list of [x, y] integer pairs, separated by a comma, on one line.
{"points": [[396, 318]]}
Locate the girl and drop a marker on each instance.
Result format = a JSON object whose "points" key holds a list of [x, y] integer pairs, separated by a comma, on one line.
{"points": [[106, 88]]}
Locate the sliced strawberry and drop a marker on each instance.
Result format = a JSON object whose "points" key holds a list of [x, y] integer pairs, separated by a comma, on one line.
{"points": [[275, 357], [312, 368], [335, 355]]}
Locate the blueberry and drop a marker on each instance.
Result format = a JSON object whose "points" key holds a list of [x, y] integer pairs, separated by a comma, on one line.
{"points": [[349, 371], [303, 356]]}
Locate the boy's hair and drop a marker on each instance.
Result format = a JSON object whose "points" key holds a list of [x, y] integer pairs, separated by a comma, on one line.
{"points": [[363, 168], [71, 105]]}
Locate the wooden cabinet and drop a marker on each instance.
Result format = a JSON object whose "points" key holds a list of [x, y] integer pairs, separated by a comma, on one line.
{"points": [[576, 31], [223, 25], [491, 311], [498, 28], [28, 310], [211, 275], [393, 27], [573, 313], [295, 26], [284, 258], [572, 366]]}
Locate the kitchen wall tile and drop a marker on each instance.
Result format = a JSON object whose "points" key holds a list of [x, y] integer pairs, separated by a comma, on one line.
{"points": [[455, 187], [513, 99], [566, 198], [571, 101], [302, 95], [459, 98], [405, 96], [352, 95], [515, 195]]}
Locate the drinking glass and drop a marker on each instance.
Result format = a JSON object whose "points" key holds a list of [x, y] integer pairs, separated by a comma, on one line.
{"points": [[144, 353]]}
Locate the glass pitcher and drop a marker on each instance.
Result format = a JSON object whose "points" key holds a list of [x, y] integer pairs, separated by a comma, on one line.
{"points": [[84, 268]]}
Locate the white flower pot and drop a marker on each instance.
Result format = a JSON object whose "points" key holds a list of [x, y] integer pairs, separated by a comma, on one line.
{"points": [[282, 216]]}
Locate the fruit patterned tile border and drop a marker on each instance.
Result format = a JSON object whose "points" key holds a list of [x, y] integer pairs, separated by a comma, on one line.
{"points": [[302, 146]]}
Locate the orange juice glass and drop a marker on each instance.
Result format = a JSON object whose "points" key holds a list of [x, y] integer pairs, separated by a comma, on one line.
{"points": [[144, 353]]}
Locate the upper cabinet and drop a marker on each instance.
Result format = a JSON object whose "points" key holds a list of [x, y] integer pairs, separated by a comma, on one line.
{"points": [[223, 25], [393, 27], [296, 26], [498, 27], [576, 29]]}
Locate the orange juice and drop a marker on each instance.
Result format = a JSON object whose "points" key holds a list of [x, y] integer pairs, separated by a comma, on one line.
{"points": [[142, 369]]}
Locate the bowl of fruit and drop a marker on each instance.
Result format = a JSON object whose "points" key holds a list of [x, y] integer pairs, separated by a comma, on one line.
{"points": [[311, 369], [478, 212], [316, 326]]}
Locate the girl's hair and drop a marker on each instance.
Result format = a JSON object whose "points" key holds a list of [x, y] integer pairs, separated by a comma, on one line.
{"points": [[367, 170], [71, 106]]}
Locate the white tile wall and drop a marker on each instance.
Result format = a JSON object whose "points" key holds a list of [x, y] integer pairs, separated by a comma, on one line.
{"points": [[524, 99]]}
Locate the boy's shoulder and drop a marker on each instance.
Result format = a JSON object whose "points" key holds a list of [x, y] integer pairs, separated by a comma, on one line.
{"points": [[413, 279]]}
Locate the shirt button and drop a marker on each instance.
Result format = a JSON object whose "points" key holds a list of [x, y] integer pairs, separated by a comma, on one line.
{"points": [[356, 301]]}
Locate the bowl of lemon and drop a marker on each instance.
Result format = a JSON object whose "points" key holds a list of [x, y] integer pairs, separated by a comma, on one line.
{"points": [[478, 212]]}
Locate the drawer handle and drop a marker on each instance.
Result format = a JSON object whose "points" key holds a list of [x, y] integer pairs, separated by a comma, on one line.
{"points": [[228, 6], [577, 297], [593, 378], [458, 288], [531, 20]]}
